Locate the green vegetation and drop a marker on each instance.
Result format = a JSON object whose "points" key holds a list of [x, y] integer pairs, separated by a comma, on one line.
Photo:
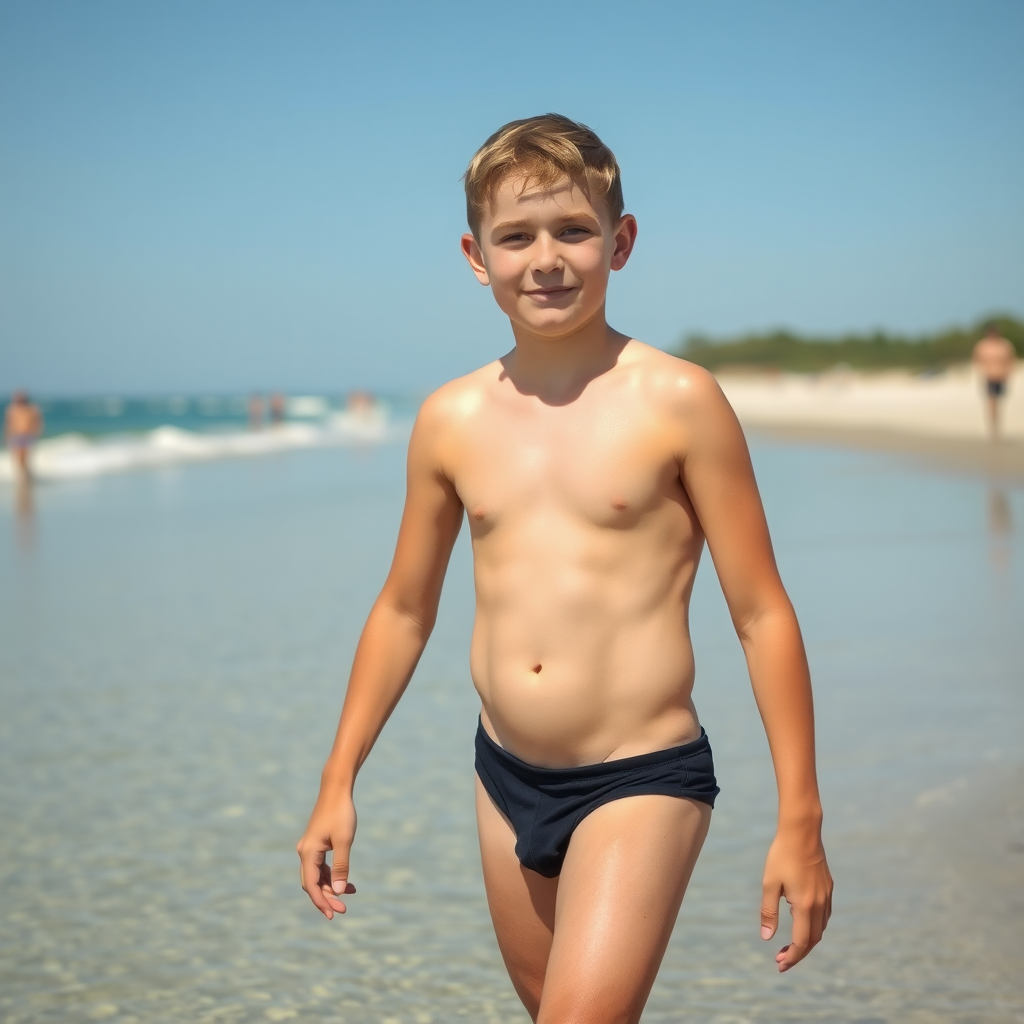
{"points": [[782, 350]]}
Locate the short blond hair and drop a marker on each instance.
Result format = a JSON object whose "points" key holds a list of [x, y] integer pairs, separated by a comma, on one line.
{"points": [[544, 150]]}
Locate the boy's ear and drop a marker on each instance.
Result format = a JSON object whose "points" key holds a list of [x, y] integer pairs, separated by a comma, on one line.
{"points": [[625, 239], [475, 258]]}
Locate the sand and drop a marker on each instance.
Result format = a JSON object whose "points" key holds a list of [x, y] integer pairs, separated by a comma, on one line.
{"points": [[938, 418]]}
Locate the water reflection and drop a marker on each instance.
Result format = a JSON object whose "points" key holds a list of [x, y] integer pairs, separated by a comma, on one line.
{"points": [[24, 513], [1000, 530]]}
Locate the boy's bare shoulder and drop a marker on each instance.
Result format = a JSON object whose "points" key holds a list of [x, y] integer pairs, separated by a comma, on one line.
{"points": [[447, 413], [672, 385], [460, 399]]}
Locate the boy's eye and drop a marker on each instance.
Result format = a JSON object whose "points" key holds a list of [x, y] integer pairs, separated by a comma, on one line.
{"points": [[576, 232], [518, 236]]}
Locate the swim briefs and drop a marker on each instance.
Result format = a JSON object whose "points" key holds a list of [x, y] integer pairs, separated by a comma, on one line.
{"points": [[995, 388], [545, 805]]}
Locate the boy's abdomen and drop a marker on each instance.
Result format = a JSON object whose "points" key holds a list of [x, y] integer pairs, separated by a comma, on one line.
{"points": [[581, 652]]}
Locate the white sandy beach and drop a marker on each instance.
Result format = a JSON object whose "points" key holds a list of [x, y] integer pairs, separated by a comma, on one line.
{"points": [[949, 405]]}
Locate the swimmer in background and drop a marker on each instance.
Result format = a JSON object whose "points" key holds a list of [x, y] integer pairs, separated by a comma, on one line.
{"points": [[23, 425], [256, 412], [994, 358], [276, 408], [360, 403]]}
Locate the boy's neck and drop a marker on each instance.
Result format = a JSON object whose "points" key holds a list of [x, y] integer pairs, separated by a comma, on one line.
{"points": [[558, 369]]}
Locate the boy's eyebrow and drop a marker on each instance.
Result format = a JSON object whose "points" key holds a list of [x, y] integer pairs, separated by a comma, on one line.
{"points": [[511, 225], [505, 225]]}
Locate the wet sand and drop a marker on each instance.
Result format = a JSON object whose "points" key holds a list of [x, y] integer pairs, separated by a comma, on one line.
{"points": [[1001, 461]]}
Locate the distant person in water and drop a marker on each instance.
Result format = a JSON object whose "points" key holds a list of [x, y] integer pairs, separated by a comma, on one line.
{"points": [[994, 357], [360, 403], [23, 423], [277, 407], [256, 412]]}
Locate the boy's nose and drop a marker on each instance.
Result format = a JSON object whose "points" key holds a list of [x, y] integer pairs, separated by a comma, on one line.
{"points": [[547, 258]]}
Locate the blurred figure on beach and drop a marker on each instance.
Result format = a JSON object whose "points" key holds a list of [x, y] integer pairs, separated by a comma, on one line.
{"points": [[23, 424], [256, 412], [360, 403], [994, 358], [276, 408]]}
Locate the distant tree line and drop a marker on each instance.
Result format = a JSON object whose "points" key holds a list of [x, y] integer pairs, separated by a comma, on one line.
{"points": [[784, 350]]}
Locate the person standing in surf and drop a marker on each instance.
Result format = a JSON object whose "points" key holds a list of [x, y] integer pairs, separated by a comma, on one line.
{"points": [[591, 470], [23, 426]]}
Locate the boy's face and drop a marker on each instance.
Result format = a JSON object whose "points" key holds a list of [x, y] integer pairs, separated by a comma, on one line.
{"points": [[546, 254]]}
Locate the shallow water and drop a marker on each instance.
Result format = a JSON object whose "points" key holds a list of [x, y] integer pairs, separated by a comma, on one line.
{"points": [[173, 650]]}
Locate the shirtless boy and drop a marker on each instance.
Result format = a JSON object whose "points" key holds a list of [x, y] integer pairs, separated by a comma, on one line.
{"points": [[591, 469], [995, 359]]}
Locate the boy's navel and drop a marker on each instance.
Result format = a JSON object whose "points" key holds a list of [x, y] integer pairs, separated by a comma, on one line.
{"points": [[537, 668]]}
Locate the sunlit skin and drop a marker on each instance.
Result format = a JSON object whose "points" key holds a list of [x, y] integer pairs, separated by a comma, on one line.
{"points": [[995, 358], [23, 423], [591, 469]]}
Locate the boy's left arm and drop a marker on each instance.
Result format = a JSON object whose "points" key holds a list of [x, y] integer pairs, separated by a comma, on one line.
{"points": [[719, 479]]}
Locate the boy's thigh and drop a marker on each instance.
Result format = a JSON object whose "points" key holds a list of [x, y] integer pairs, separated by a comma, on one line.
{"points": [[522, 903], [619, 893]]}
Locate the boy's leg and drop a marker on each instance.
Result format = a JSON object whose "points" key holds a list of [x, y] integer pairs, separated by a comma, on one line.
{"points": [[522, 903], [619, 893]]}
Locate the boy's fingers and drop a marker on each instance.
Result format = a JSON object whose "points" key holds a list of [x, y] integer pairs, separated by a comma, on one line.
{"points": [[309, 868], [804, 937], [327, 889], [770, 896], [311, 863], [339, 870], [789, 956], [332, 899]]}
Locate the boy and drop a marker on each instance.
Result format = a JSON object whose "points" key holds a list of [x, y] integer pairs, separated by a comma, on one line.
{"points": [[592, 469]]}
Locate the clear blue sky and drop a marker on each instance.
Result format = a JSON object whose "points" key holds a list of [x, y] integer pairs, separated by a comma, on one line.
{"points": [[234, 195]]}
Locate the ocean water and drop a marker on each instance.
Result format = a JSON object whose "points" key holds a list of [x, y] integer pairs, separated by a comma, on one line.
{"points": [[174, 645], [95, 436]]}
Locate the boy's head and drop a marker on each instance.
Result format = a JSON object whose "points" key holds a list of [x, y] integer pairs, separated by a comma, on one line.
{"points": [[545, 205], [541, 152]]}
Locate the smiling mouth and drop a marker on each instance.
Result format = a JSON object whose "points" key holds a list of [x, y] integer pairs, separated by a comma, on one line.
{"points": [[551, 291]]}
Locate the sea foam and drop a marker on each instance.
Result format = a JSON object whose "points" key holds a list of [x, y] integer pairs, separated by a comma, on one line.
{"points": [[75, 456]]}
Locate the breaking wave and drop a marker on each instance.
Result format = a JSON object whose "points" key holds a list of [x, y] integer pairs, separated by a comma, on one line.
{"points": [[75, 456]]}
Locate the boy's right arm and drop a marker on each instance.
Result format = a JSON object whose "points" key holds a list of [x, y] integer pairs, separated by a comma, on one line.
{"points": [[392, 641]]}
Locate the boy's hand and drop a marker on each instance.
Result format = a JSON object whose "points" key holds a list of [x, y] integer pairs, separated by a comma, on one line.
{"points": [[796, 868], [332, 826]]}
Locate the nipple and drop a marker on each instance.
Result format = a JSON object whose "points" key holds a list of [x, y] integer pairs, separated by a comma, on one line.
{"points": [[619, 505], [537, 668], [479, 512]]}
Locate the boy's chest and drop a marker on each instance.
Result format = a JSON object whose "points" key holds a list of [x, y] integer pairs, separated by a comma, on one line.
{"points": [[609, 467]]}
